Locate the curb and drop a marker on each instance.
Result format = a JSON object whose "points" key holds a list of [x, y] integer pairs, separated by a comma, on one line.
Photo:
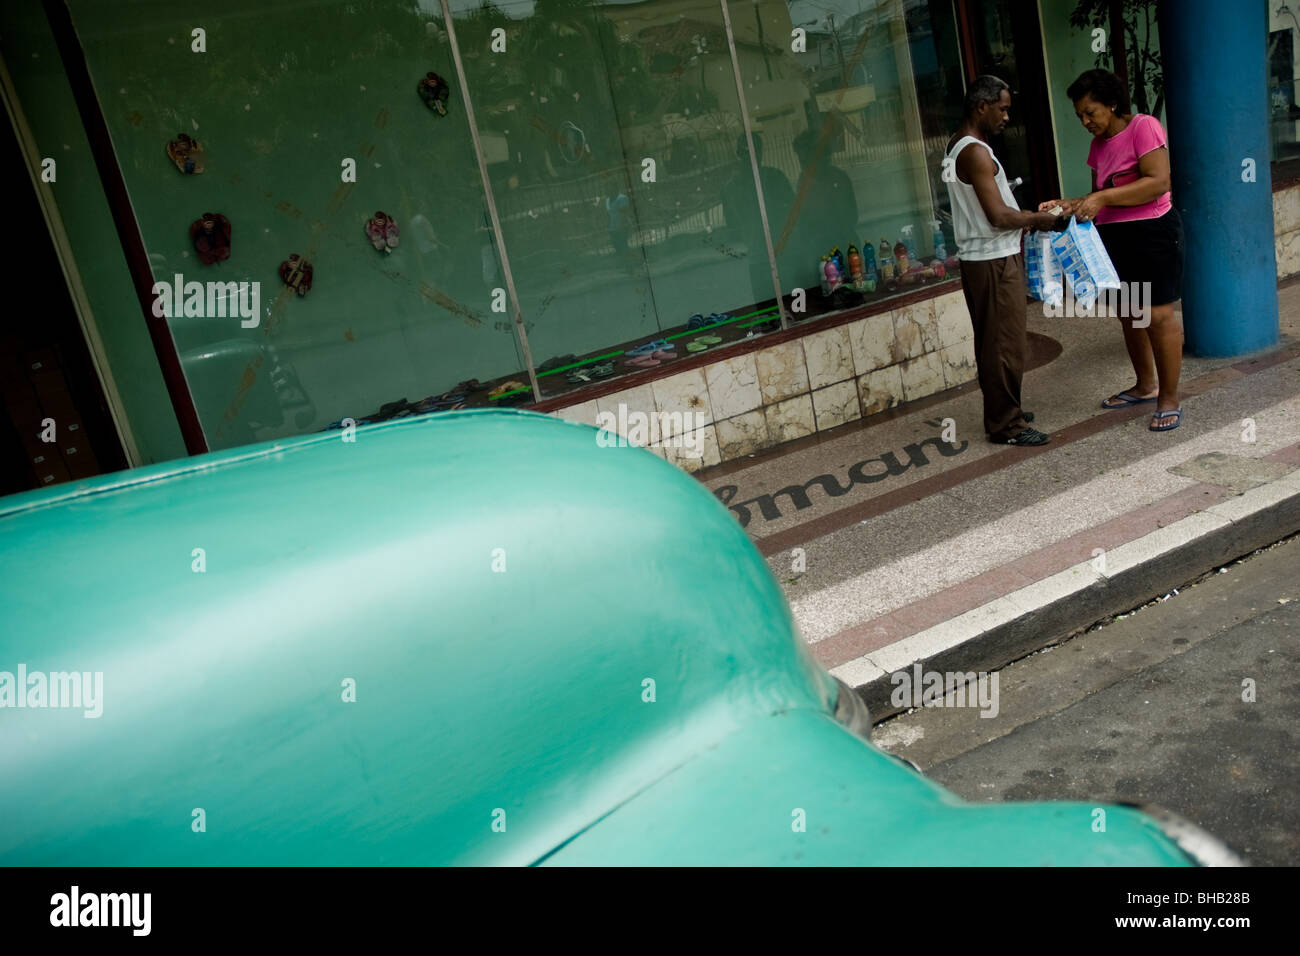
{"points": [[1048, 611]]}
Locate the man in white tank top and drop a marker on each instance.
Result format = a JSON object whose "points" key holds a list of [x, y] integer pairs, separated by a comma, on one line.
{"points": [[987, 224]]}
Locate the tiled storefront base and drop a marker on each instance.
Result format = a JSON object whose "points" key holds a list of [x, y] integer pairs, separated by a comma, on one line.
{"points": [[1286, 230], [824, 379]]}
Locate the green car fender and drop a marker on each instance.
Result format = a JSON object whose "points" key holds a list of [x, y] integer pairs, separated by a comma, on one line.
{"points": [[469, 638]]}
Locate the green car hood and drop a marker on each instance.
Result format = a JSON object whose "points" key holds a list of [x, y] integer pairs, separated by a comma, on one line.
{"points": [[477, 637], [795, 789]]}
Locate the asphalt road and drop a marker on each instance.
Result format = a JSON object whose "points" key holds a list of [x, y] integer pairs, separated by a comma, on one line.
{"points": [[1149, 708]]}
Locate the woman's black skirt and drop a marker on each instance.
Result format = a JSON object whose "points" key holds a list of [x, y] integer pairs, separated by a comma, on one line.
{"points": [[1148, 250]]}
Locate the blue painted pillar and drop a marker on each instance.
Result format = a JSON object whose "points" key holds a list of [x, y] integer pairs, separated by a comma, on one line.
{"points": [[1217, 110]]}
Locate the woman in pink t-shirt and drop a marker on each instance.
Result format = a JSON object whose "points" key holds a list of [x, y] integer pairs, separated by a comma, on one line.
{"points": [[1143, 233]]}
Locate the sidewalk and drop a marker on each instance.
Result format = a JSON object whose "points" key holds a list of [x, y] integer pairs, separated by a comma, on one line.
{"points": [[896, 547]]}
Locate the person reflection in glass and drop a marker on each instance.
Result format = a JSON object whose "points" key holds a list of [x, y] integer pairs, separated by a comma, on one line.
{"points": [[740, 207], [826, 207]]}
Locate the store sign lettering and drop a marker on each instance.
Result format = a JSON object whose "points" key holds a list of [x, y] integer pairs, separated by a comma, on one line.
{"points": [[867, 472]]}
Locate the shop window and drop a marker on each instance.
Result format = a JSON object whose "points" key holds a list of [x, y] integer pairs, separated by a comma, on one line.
{"points": [[1284, 114], [617, 160], [625, 243], [281, 101], [852, 125]]}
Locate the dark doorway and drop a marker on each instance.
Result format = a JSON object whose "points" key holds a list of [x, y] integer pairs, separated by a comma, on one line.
{"points": [[46, 371], [1003, 38]]}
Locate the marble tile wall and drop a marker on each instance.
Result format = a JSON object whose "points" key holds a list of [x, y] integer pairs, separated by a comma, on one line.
{"points": [[1286, 230], [742, 405]]}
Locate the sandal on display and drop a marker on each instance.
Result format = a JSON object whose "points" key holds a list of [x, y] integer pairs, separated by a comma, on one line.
{"points": [[433, 90], [186, 153], [210, 234], [643, 361], [579, 376], [440, 407], [296, 273], [696, 321], [504, 389], [377, 232], [447, 401], [604, 370], [557, 361]]}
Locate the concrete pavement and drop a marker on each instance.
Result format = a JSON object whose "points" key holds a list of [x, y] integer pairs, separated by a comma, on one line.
{"points": [[1189, 703], [909, 538]]}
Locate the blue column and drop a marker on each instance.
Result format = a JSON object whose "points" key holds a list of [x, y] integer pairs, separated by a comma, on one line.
{"points": [[1217, 108]]}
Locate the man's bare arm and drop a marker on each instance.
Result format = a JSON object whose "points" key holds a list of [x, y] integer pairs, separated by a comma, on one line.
{"points": [[976, 167]]}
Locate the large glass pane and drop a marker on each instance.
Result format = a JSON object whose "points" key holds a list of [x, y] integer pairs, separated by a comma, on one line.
{"points": [[284, 100], [611, 133], [1284, 114], [853, 101]]}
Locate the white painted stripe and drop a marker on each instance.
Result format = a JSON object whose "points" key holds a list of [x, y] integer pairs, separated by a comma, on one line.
{"points": [[926, 645], [1134, 484]]}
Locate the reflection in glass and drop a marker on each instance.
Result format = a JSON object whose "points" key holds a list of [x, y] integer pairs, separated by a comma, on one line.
{"points": [[854, 112], [281, 102], [629, 217]]}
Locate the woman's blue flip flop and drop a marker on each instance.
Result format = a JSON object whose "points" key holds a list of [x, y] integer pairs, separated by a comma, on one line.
{"points": [[1176, 413], [1126, 398]]}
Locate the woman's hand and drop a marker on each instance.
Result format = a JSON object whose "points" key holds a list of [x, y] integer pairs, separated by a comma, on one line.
{"points": [[1086, 209], [1066, 206]]}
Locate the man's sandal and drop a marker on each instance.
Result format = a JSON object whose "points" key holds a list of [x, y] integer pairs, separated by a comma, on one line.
{"points": [[1030, 436]]}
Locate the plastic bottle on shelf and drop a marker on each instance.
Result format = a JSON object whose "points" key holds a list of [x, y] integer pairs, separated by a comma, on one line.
{"points": [[832, 274], [940, 244], [886, 260], [910, 243], [855, 266], [901, 261], [869, 262]]}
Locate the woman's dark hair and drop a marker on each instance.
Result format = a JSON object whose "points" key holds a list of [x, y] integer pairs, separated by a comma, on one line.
{"points": [[1104, 87]]}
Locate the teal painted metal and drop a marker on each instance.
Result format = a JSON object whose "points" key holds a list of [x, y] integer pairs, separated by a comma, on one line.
{"points": [[500, 588]]}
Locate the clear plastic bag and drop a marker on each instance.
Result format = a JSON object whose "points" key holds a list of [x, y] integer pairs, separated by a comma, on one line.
{"points": [[1042, 270], [1083, 260]]}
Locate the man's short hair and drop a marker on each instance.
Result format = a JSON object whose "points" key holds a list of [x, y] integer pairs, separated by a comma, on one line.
{"points": [[1104, 87], [985, 89]]}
